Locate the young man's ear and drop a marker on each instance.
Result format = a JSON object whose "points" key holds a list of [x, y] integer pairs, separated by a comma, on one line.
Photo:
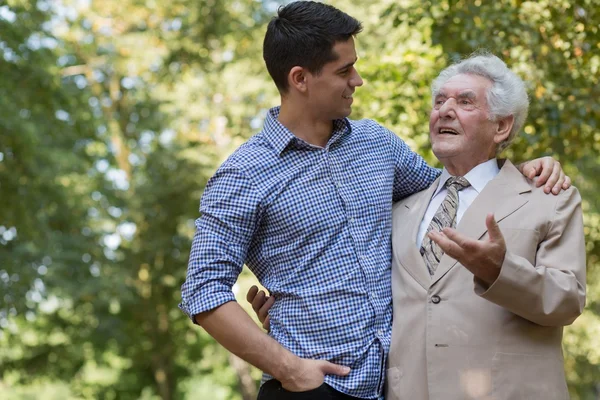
{"points": [[297, 79], [505, 125]]}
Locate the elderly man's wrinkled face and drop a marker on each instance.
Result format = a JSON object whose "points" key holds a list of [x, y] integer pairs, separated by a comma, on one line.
{"points": [[459, 125]]}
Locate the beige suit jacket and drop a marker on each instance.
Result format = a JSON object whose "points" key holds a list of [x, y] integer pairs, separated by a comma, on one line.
{"points": [[452, 337]]}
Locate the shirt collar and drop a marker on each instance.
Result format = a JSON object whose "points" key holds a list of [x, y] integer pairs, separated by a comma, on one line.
{"points": [[280, 137], [478, 177]]}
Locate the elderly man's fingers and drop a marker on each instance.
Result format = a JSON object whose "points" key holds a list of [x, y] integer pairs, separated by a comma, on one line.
{"points": [[494, 232], [267, 324], [464, 242], [263, 312], [259, 301], [449, 246], [251, 293]]}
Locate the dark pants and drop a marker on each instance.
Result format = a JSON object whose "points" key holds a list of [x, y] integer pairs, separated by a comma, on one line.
{"points": [[272, 390]]}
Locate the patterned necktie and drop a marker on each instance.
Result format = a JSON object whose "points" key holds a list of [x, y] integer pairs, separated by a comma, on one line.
{"points": [[444, 217]]}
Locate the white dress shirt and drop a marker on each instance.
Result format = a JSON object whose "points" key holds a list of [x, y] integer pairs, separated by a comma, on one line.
{"points": [[478, 177]]}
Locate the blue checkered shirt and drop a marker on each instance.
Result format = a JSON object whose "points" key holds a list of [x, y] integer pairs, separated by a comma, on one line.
{"points": [[314, 225]]}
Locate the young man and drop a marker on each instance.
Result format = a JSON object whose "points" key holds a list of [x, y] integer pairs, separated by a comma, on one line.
{"points": [[306, 204]]}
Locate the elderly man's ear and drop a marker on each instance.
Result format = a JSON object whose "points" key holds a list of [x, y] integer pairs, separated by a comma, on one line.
{"points": [[503, 130]]}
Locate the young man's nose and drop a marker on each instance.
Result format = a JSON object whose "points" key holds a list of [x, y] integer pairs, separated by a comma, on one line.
{"points": [[356, 79]]}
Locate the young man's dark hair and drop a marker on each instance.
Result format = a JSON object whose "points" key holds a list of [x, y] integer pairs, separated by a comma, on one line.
{"points": [[303, 34]]}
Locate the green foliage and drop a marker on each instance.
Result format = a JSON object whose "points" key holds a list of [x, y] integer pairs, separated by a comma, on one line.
{"points": [[44, 168], [107, 139], [114, 113]]}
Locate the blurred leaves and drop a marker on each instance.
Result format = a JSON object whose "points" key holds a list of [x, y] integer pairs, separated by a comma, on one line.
{"points": [[108, 136]]}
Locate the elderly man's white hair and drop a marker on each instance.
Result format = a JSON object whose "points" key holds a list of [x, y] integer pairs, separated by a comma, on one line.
{"points": [[506, 97]]}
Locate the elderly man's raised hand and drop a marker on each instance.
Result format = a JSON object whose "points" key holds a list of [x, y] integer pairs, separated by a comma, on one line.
{"points": [[483, 258]]}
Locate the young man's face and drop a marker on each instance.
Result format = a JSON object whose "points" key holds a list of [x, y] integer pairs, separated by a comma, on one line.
{"points": [[329, 94]]}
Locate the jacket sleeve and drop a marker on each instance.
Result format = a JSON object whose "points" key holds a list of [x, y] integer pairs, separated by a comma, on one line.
{"points": [[550, 292]]}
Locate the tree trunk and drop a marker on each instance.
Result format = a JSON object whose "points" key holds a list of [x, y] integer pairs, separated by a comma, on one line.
{"points": [[246, 384]]}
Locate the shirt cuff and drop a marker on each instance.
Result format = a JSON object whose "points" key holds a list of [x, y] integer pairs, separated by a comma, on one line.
{"points": [[202, 302]]}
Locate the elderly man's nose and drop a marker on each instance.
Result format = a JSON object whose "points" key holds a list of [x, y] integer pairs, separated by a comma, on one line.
{"points": [[447, 108]]}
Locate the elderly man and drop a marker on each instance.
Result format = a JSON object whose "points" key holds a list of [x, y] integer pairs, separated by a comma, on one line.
{"points": [[479, 310]]}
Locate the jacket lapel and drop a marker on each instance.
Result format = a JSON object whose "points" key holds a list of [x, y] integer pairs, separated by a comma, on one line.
{"points": [[503, 195], [407, 217]]}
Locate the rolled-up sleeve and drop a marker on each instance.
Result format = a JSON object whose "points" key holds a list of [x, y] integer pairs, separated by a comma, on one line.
{"points": [[229, 215]]}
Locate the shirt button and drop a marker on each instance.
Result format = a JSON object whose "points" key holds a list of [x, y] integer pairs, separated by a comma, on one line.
{"points": [[435, 299], [351, 220], [380, 332]]}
